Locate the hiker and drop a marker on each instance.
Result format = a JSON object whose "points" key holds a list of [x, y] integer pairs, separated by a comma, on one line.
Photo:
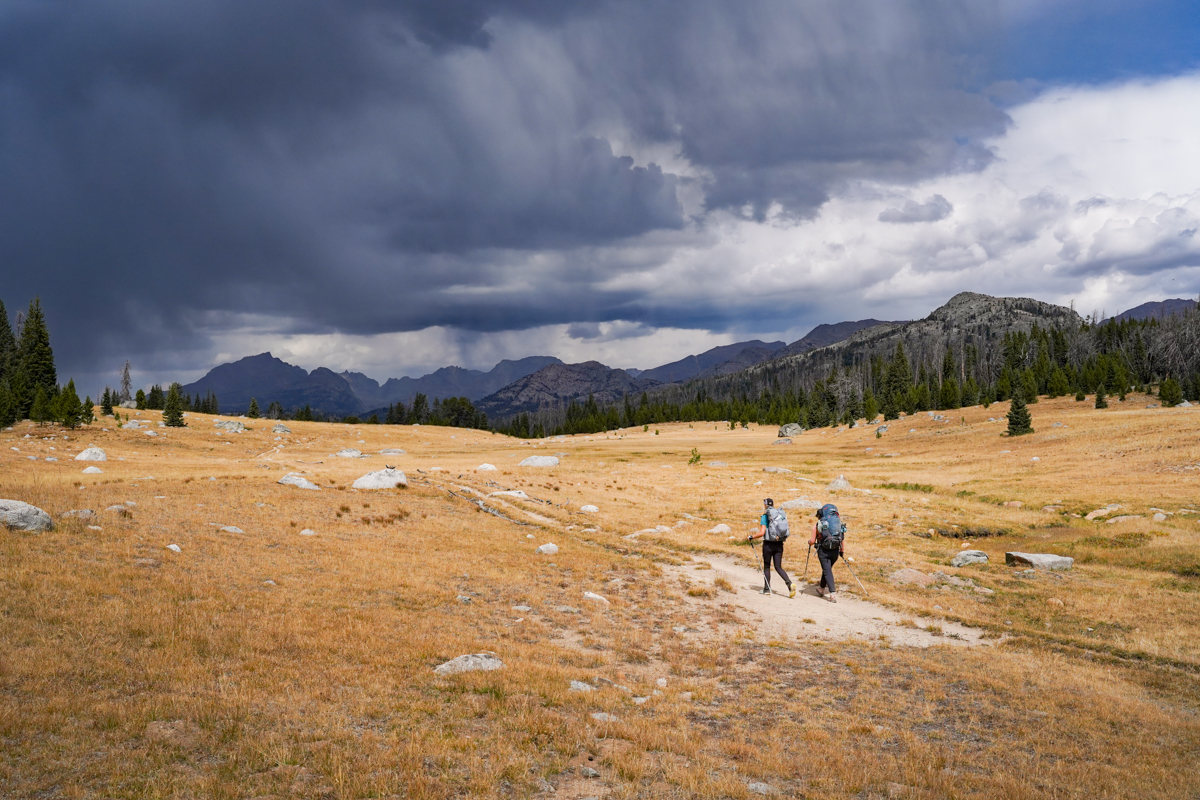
{"points": [[829, 536], [773, 530]]}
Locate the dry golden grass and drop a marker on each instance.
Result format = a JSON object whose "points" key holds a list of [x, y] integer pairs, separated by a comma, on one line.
{"points": [[127, 670]]}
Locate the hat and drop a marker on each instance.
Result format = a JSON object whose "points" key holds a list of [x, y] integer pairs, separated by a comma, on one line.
{"points": [[769, 502]]}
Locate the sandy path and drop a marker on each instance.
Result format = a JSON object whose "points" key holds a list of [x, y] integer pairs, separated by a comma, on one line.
{"points": [[777, 616]]}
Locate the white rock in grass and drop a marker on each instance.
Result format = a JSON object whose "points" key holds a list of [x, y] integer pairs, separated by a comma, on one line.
{"points": [[540, 461], [777, 470], [603, 716], [92, 454], [838, 483], [391, 451], [722, 528], [1159, 517], [82, 513], [300, 482], [21, 516], [475, 662], [580, 686], [758, 787], [547, 549], [596, 597], [485, 468], [1039, 560], [231, 425], [589, 509], [348, 452], [308, 532], [93, 471], [381, 479], [969, 557], [281, 428], [232, 529], [174, 548]]}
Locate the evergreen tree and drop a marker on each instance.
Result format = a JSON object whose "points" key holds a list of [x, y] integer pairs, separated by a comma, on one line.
{"points": [[155, 399], [8, 408], [1029, 386], [970, 392], [1020, 421], [35, 358], [106, 402], [1080, 396], [419, 412], [41, 412], [173, 408], [870, 406], [275, 410], [1058, 385], [70, 410], [252, 411], [1170, 393], [140, 399], [950, 398], [8, 344], [1101, 401], [87, 411]]}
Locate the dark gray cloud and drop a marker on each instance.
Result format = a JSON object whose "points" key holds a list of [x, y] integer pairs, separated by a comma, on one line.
{"points": [[167, 170], [934, 209]]}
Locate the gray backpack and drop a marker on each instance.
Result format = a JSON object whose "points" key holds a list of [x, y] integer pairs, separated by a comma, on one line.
{"points": [[777, 526]]}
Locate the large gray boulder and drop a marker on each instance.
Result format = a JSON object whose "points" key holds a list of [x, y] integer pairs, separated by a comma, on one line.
{"points": [[349, 452], [839, 483], [23, 517], [969, 557], [1039, 560], [381, 479], [92, 454], [231, 425], [300, 482], [475, 662], [391, 451], [540, 461], [790, 429], [281, 428]]}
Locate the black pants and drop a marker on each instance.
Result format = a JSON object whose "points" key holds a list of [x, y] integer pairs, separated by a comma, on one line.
{"points": [[773, 551], [827, 559]]}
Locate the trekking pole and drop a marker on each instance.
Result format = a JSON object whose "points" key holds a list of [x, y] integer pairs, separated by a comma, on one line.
{"points": [[806, 558], [860, 583]]}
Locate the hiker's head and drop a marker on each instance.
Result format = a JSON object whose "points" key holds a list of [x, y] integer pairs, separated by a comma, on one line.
{"points": [[769, 503]]}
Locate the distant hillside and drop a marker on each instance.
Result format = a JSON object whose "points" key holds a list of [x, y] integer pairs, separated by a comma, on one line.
{"points": [[452, 382], [554, 386], [825, 335], [1159, 310], [717, 361]]}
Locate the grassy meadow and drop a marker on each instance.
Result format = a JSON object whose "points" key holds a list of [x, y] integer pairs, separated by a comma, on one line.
{"points": [[266, 662]]}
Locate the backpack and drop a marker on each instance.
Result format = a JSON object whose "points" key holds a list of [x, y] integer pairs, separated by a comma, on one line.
{"points": [[831, 529], [777, 525]]}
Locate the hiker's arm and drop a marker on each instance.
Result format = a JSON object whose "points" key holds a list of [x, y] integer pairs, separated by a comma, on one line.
{"points": [[762, 531], [813, 539]]}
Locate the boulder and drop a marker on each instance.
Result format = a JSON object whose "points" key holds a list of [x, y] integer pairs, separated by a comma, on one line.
{"points": [[348, 452], [758, 787], [300, 482], [969, 557], [19, 516], [93, 471], [722, 528], [1039, 560], [308, 532], [1159, 517], [92, 454], [230, 425], [782, 441], [281, 428], [547, 549], [717, 464], [907, 576], [839, 483], [777, 470], [150, 433], [603, 716], [475, 662], [174, 548], [580, 686], [589, 509], [391, 451], [790, 429], [1123, 518], [232, 529], [596, 597], [540, 461], [486, 468], [381, 479]]}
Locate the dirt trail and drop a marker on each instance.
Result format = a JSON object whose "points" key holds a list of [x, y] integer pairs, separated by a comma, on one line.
{"points": [[777, 616]]}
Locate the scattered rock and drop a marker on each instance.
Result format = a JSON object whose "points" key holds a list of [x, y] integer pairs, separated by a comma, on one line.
{"points": [[522, 609], [758, 787], [297, 480], [969, 557], [174, 548], [547, 549], [790, 429], [348, 452], [540, 461], [1039, 560], [589, 509], [268, 583], [881, 429], [230, 425], [911, 576], [133, 424], [462, 598], [1052, 509], [602, 716], [580, 686], [93, 471], [839, 483], [777, 470], [717, 464], [92, 454], [19, 516], [475, 662], [1159, 517], [596, 597], [782, 441], [150, 433], [130, 404], [232, 529], [722, 528], [381, 479], [119, 510], [1123, 518], [82, 513], [281, 428], [589, 772], [566, 609], [308, 532], [1014, 504], [485, 468], [1102, 512], [392, 451]]}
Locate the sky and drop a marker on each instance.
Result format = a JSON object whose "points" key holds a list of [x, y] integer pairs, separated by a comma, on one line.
{"points": [[391, 187]]}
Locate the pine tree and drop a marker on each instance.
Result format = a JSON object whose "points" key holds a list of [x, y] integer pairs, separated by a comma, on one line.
{"points": [[1101, 401], [88, 411], [8, 344], [1020, 421], [1080, 396], [173, 408], [275, 410], [106, 402], [1170, 393], [1029, 386], [35, 358], [252, 412], [156, 398], [40, 412], [8, 407], [70, 410], [870, 407], [140, 399]]}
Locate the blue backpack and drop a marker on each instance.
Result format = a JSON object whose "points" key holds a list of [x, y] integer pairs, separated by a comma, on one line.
{"points": [[831, 530]]}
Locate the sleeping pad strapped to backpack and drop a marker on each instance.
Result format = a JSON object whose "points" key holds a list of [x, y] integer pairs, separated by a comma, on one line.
{"points": [[831, 528]]}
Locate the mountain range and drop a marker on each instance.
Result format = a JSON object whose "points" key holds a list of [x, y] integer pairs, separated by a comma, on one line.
{"points": [[1158, 310]]}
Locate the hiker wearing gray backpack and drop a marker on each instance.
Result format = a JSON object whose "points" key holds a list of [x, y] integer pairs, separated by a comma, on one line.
{"points": [[773, 530], [829, 536]]}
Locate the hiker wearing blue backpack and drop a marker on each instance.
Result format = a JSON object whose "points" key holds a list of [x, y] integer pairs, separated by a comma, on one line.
{"points": [[773, 530], [829, 537]]}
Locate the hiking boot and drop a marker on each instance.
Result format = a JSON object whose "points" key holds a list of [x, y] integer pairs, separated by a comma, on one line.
{"points": [[766, 590], [792, 590], [831, 597]]}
